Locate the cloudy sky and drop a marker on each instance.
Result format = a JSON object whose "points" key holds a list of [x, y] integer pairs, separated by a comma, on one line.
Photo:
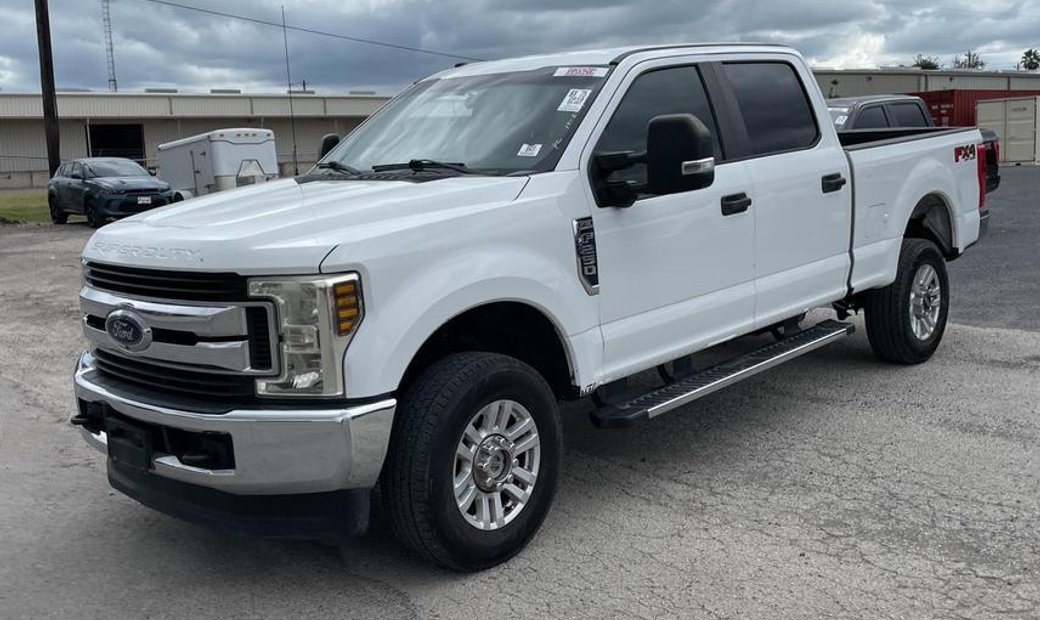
{"points": [[165, 46]]}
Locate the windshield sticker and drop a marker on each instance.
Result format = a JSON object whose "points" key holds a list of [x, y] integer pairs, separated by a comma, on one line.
{"points": [[581, 72], [529, 150], [841, 120], [575, 100]]}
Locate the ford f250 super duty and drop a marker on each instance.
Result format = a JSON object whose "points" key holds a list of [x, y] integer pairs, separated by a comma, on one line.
{"points": [[407, 315]]}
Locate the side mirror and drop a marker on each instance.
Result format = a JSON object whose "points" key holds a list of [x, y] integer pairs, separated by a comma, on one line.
{"points": [[76, 175], [153, 171], [680, 154], [328, 142]]}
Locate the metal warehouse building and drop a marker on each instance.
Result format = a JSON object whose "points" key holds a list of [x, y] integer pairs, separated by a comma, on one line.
{"points": [[855, 82], [133, 124]]}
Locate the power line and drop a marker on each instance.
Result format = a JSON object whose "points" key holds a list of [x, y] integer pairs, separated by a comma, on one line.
{"points": [[310, 30]]}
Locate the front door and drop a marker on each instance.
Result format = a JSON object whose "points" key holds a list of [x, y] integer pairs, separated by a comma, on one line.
{"points": [[676, 274]]}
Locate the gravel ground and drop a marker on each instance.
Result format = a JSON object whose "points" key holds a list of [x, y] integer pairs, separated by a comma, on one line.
{"points": [[834, 486]]}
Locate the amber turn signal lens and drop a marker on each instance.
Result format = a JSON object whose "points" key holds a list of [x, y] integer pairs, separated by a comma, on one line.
{"points": [[348, 307]]}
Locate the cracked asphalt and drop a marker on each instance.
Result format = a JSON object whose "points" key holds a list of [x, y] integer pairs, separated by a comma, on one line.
{"points": [[835, 486]]}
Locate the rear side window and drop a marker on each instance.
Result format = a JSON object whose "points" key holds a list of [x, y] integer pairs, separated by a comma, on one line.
{"points": [[908, 115], [775, 107], [676, 90], [872, 118]]}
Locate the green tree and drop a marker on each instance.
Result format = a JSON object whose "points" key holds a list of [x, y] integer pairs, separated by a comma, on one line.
{"points": [[1031, 60], [970, 60], [928, 63]]}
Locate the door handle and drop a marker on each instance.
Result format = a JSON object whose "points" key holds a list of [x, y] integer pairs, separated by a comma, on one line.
{"points": [[833, 182], [735, 203]]}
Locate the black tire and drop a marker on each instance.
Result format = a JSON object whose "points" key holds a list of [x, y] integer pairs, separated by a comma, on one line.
{"points": [[94, 219], [417, 480], [888, 310], [58, 216]]}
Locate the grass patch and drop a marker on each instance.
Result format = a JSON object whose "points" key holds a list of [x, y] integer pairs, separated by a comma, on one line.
{"points": [[24, 205]]}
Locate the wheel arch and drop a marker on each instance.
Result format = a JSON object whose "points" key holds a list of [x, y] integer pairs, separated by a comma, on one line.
{"points": [[933, 218], [531, 335]]}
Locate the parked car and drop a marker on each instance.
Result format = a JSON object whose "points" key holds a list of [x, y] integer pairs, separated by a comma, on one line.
{"points": [[904, 111], [499, 237], [102, 188]]}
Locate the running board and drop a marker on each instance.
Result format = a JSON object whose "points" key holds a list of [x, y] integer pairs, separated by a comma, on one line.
{"points": [[700, 384]]}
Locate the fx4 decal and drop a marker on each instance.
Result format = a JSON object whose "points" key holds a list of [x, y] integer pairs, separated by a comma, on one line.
{"points": [[964, 153]]}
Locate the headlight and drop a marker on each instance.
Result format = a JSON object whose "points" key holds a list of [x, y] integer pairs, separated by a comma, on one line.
{"points": [[316, 318]]}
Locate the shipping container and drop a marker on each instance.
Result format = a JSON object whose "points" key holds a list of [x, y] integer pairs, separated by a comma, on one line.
{"points": [[1016, 123], [956, 108]]}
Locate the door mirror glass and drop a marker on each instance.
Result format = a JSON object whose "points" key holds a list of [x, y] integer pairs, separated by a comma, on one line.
{"points": [[328, 142], [680, 154]]}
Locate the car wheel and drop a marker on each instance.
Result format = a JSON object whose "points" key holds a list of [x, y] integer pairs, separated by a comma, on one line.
{"points": [[906, 320], [58, 216], [94, 219], [473, 461]]}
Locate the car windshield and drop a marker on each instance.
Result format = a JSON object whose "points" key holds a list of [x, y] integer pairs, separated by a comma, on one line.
{"points": [[492, 124], [839, 115], [116, 169]]}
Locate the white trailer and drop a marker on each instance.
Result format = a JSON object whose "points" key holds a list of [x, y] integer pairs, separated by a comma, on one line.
{"points": [[218, 160]]}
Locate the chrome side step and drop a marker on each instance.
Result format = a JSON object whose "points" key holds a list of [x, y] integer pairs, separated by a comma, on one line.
{"points": [[700, 384]]}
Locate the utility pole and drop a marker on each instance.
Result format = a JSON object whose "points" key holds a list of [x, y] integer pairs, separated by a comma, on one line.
{"points": [[288, 81], [110, 53], [50, 99]]}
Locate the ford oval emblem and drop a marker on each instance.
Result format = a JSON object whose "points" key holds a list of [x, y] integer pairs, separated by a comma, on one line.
{"points": [[127, 330]]}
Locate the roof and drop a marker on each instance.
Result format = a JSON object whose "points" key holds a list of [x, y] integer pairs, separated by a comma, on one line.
{"points": [[189, 105], [848, 102], [601, 57]]}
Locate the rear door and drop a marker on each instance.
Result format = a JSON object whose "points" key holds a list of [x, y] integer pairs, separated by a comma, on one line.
{"points": [[676, 272], [802, 199], [872, 116]]}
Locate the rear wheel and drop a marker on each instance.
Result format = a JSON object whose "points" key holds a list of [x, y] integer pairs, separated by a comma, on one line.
{"points": [[94, 219], [58, 216], [473, 461], [906, 320]]}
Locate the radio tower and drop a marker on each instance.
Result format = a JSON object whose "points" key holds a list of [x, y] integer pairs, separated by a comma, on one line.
{"points": [[106, 17]]}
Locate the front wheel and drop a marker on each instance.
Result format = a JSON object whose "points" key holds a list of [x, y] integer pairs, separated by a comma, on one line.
{"points": [[906, 320], [94, 219], [473, 461], [58, 215]]}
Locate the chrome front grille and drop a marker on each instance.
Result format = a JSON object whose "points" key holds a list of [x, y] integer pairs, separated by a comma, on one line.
{"points": [[196, 347]]}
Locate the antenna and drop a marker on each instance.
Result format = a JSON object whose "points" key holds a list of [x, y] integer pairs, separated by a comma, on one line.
{"points": [[106, 18], [288, 81]]}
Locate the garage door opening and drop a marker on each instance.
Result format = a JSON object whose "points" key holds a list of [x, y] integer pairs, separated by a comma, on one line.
{"points": [[117, 141]]}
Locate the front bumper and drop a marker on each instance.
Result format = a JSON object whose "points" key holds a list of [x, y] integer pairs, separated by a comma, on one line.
{"points": [[117, 205], [280, 451]]}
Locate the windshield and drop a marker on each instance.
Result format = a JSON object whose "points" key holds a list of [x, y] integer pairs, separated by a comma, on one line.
{"points": [[839, 115], [116, 169], [493, 124]]}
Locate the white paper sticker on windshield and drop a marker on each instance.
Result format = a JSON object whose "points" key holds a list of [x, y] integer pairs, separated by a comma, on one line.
{"points": [[841, 120], [529, 150], [581, 72], [575, 100]]}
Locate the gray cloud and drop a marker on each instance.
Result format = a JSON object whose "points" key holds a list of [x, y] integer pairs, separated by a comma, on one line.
{"points": [[162, 46]]}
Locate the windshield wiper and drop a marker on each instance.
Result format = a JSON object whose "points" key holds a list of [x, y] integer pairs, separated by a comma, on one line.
{"points": [[339, 167], [425, 164]]}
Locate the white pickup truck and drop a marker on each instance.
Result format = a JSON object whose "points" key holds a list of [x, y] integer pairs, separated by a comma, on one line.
{"points": [[501, 236]]}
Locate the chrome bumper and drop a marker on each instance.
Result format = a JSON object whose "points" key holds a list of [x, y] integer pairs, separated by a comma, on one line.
{"points": [[277, 451]]}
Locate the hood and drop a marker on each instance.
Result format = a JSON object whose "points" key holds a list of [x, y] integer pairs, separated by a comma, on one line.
{"points": [[130, 183], [286, 227]]}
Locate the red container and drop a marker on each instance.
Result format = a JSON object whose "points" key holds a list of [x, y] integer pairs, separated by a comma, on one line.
{"points": [[956, 108]]}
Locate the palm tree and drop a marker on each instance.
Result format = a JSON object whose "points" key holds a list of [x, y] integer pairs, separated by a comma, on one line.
{"points": [[1031, 60]]}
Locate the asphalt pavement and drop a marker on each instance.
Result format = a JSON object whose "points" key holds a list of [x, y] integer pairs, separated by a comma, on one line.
{"points": [[832, 487]]}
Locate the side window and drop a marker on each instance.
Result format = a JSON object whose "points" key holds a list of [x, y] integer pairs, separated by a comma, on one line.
{"points": [[775, 107], [908, 115], [676, 90], [872, 117]]}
